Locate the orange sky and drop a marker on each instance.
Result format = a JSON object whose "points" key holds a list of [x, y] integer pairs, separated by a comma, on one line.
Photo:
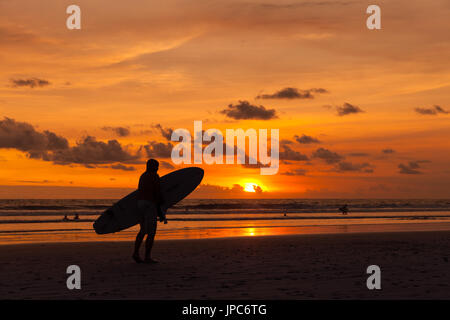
{"points": [[136, 64]]}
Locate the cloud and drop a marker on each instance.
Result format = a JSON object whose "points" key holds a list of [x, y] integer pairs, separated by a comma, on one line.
{"points": [[345, 166], [22, 136], [158, 149], [431, 111], [407, 169], [89, 151], [166, 165], [292, 93], [347, 109], [388, 151], [120, 131], [304, 139], [122, 167], [295, 172], [49, 146], [286, 153], [257, 189], [285, 142], [244, 110], [411, 167], [35, 181], [165, 132], [216, 191], [31, 82], [327, 155]]}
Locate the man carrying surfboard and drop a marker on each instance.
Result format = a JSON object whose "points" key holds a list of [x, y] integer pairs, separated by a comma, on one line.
{"points": [[149, 200]]}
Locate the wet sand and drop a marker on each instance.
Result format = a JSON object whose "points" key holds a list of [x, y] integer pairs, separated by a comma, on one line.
{"points": [[414, 265]]}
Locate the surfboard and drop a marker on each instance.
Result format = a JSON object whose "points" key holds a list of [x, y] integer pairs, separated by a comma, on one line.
{"points": [[124, 214]]}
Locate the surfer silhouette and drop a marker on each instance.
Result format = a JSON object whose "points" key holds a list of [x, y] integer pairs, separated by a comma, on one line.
{"points": [[148, 202], [344, 209]]}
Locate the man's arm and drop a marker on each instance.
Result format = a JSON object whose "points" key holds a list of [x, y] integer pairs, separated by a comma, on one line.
{"points": [[158, 194]]}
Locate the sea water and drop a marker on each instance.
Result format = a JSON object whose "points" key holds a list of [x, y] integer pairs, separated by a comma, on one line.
{"points": [[31, 220]]}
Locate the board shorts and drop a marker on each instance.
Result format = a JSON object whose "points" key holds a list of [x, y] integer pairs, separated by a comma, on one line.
{"points": [[149, 215]]}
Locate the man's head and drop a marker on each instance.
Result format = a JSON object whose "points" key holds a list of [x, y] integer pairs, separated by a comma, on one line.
{"points": [[152, 165]]}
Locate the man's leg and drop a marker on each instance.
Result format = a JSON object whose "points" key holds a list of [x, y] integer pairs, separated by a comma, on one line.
{"points": [[148, 248], [152, 224], [137, 246]]}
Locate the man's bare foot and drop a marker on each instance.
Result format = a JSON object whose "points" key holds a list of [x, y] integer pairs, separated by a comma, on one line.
{"points": [[137, 258], [149, 260]]}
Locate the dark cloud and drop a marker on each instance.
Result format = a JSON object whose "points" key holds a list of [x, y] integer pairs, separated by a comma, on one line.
{"points": [[285, 142], [257, 165], [32, 82], [304, 139], [166, 165], [244, 110], [216, 191], [431, 111], [122, 167], [158, 149], [388, 151], [345, 166], [22, 136], [292, 93], [295, 172], [286, 153], [327, 155], [120, 131], [89, 151], [165, 132], [411, 167], [257, 189], [48, 146], [406, 169], [348, 108]]}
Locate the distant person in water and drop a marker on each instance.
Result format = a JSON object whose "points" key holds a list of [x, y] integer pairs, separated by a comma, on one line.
{"points": [[65, 218], [76, 217], [344, 209], [149, 201]]}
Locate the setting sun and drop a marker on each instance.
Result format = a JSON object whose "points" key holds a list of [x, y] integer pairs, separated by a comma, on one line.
{"points": [[250, 187]]}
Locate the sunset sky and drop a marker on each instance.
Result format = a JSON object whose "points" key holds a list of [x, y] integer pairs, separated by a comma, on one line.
{"points": [[361, 113]]}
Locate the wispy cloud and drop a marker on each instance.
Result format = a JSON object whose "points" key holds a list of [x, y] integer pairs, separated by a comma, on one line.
{"points": [[165, 132], [435, 110], [411, 167], [293, 93], [31, 83], [120, 131]]}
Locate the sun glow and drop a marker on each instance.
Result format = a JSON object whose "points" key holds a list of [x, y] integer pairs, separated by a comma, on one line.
{"points": [[250, 187]]}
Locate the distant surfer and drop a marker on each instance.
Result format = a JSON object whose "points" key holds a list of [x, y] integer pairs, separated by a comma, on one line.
{"points": [[344, 209], [76, 217], [65, 218], [149, 201]]}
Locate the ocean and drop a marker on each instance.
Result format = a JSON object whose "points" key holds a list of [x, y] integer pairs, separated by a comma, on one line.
{"points": [[35, 221]]}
